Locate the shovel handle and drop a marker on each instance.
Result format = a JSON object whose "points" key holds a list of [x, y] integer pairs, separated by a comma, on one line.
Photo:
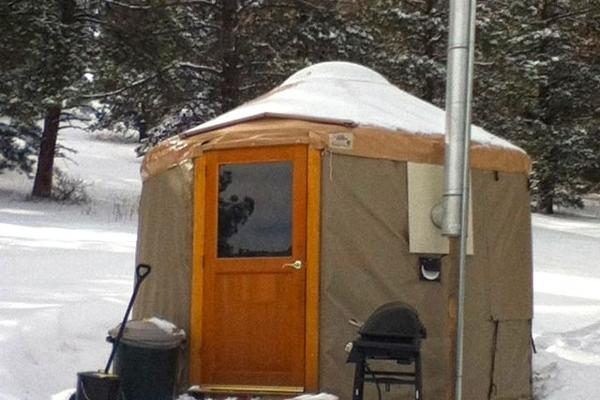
{"points": [[142, 271]]}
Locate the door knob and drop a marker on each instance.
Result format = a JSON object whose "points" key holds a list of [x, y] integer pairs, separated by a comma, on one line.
{"points": [[296, 265]]}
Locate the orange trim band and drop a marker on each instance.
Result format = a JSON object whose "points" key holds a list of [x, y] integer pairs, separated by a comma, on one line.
{"points": [[368, 142]]}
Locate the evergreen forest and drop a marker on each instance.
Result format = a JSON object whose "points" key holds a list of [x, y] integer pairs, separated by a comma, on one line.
{"points": [[159, 67]]}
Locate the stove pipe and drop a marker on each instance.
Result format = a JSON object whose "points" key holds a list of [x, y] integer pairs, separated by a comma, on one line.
{"points": [[458, 111]]}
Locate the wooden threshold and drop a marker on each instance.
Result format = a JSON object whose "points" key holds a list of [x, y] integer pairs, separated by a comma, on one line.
{"points": [[249, 389]]}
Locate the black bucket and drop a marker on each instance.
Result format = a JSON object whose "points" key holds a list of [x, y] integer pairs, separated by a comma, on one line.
{"points": [[98, 386]]}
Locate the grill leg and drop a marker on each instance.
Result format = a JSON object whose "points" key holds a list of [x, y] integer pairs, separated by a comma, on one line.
{"points": [[359, 379], [418, 381]]}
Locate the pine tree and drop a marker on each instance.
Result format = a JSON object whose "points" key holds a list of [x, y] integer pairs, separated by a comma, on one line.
{"points": [[47, 43], [190, 62], [413, 40], [162, 66], [17, 145], [537, 85], [146, 78]]}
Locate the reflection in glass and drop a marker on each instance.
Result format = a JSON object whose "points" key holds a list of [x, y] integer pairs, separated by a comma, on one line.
{"points": [[255, 210]]}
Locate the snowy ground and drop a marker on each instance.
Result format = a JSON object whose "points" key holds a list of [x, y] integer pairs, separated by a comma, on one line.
{"points": [[66, 270], [67, 276], [567, 307]]}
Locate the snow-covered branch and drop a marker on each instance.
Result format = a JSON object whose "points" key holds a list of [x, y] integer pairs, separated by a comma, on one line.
{"points": [[134, 84], [67, 117], [170, 4], [11, 4], [198, 27], [129, 6], [484, 63], [198, 67], [575, 13], [142, 81], [91, 19]]}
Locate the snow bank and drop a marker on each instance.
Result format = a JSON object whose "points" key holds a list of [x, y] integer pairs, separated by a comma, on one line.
{"points": [[566, 324], [67, 271]]}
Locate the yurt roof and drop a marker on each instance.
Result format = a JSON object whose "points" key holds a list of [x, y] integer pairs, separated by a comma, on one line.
{"points": [[347, 94], [317, 101]]}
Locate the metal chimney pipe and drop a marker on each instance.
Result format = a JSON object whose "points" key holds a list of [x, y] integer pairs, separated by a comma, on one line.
{"points": [[458, 110], [461, 49]]}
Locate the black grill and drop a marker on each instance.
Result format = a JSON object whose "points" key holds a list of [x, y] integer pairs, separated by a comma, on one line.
{"points": [[393, 333]]}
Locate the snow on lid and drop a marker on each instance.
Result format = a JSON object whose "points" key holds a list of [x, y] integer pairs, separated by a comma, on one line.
{"points": [[346, 93], [318, 396], [163, 325], [151, 332]]}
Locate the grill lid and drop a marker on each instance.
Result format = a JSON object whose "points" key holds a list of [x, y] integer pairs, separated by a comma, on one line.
{"points": [[395, 320]]}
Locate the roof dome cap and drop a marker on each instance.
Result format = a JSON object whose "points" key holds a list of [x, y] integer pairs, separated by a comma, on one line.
{"points": [[340, 70]]}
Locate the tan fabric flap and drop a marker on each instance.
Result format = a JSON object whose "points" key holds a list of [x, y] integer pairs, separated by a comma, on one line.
{"points": [[512, 361], [502, 205], [368, 142], [165, 243]]}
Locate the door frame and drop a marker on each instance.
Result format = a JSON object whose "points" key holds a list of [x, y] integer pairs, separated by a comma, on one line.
{"points": [[313, 215]]}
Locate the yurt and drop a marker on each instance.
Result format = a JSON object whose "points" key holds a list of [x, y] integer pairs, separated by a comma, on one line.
{"points": [[273, 225]]}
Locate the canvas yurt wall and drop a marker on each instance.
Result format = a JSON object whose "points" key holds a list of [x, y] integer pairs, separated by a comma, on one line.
{"points": [[362, 187], [370, 263]]}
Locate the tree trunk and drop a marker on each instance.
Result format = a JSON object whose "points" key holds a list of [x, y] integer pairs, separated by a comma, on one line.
{"points": [[547, 183], [230, 79], [42, 186], [546, 204], [545, 195], [429, 46], [549, 205]]}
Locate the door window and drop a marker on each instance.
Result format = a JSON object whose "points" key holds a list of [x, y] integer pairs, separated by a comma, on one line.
{"points": [[255, 210]]}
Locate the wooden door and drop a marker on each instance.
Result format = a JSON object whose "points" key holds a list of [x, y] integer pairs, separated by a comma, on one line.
{"points": [[253, 322]]}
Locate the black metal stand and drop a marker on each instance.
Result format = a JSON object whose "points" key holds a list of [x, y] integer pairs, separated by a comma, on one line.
{"points": [[404, 354]]}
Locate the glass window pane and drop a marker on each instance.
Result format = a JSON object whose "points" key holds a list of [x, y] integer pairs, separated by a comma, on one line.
{"points": [[255, 210]]}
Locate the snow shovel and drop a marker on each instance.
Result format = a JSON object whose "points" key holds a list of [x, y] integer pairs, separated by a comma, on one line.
{"points": [[103, 385], [141, 272]]}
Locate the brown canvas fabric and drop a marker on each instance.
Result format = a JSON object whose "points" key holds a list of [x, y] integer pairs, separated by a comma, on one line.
{"points": [[499, 286], [477, 357], [165, 243], [501, 203], [365, 262], [512, 361]]}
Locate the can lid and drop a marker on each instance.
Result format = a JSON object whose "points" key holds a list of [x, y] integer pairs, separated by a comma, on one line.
{"points": [[151, 332]]}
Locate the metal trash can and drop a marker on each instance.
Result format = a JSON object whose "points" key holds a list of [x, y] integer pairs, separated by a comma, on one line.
{"points": [[146, 359]]}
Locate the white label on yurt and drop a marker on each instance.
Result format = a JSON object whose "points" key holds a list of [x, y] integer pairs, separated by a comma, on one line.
{"points": [[341, 141]]}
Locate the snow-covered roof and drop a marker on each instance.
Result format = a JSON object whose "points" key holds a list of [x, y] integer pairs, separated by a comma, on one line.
{"points": [[346, 93]]}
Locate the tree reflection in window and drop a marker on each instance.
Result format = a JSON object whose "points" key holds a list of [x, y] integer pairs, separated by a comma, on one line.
{"points": [[255, 210]]}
